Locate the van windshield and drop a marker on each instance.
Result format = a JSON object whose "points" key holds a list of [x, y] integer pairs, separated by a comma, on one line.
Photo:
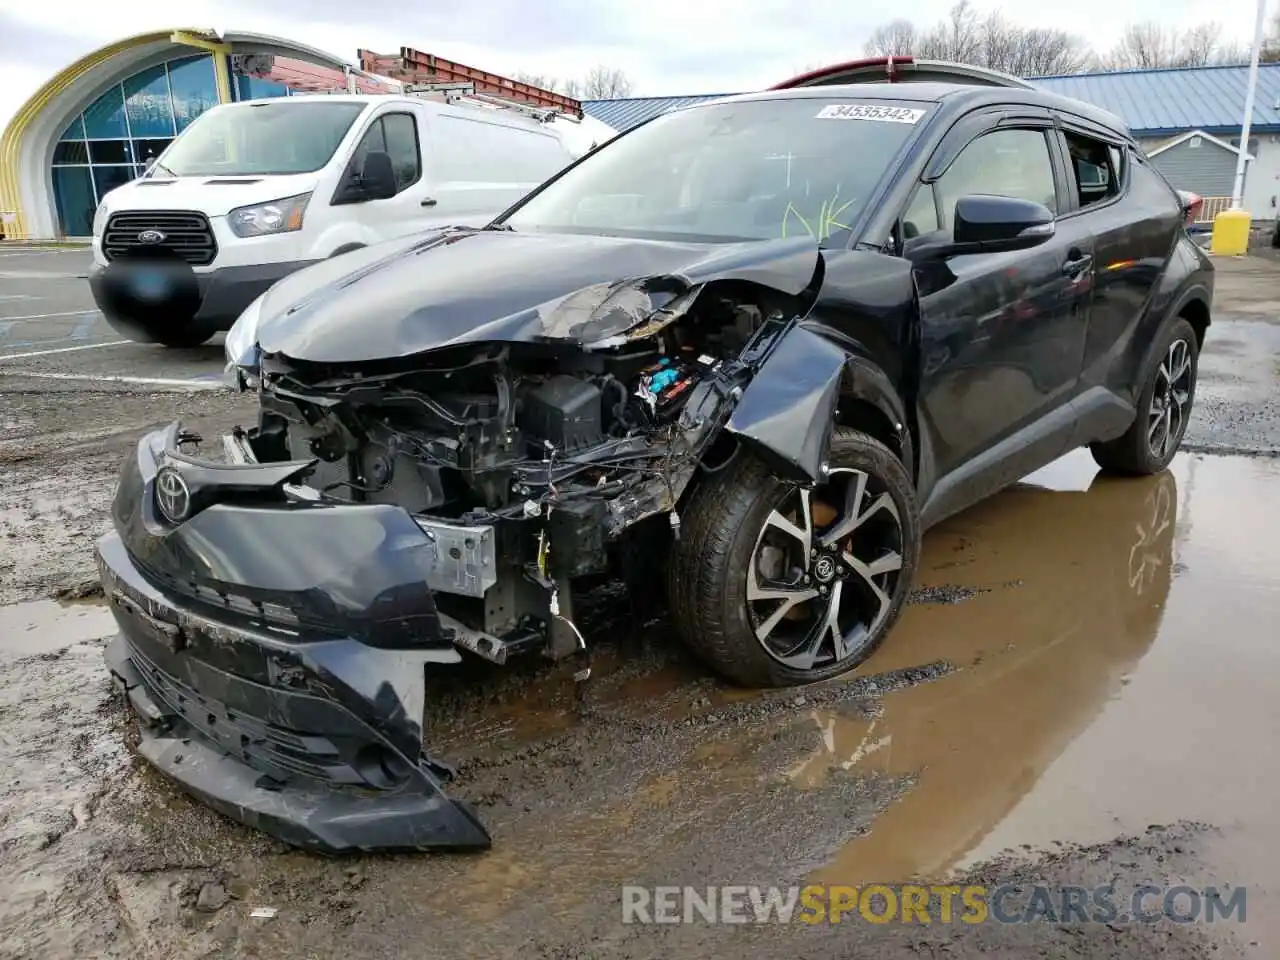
{"points": [[281, 137], [732, 171]]}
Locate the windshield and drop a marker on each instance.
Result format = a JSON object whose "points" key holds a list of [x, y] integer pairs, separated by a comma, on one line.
{"points": [[727, 172], [283, 137]]}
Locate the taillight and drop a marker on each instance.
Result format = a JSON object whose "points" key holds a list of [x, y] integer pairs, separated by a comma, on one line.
{"points": [[1191, 204]]}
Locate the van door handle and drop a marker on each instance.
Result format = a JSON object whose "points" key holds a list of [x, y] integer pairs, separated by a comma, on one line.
{"points": [[429, 202], [1077, 265]]}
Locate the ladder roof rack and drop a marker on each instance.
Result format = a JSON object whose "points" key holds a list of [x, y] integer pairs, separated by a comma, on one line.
{"points": [[415, 68], [465, 92]]}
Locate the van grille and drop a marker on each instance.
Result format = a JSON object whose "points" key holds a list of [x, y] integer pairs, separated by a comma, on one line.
{"points": [[187, 234]]}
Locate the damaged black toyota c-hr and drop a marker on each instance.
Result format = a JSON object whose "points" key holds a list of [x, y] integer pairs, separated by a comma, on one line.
{"points": [[767, 341]]}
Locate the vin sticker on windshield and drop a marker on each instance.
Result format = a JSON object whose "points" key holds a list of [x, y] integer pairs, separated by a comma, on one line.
{"points": [[867, 111]]}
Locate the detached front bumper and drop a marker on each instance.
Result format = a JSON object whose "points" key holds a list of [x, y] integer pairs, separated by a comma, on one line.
{"points": [[308, 731]]}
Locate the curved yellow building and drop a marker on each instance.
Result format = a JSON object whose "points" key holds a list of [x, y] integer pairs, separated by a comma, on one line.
{"points": [[95, 124]]}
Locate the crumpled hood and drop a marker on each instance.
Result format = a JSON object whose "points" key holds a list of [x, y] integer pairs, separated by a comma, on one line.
{"points": [[469, 286]]}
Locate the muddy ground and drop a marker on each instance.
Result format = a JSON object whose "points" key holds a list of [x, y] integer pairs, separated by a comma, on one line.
{"points": [[1081, 693]]}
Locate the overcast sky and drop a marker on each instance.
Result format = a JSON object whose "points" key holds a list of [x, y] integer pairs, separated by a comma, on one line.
{"points": [[665, 46]]}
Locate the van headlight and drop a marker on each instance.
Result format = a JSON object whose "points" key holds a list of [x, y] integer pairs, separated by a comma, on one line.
{"points": [[100, 219], [264, 219], [242, 349]]}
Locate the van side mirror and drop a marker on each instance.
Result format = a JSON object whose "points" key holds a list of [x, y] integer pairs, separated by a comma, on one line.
{"points": [[377, 177], [986, 224]]}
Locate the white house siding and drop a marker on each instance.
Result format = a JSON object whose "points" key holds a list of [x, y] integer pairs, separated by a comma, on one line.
{"points": [[1198, 165], [1261, 178]]}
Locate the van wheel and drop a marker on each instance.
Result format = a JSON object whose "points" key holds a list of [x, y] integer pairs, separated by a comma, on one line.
{"points": [[183, 337], [776, 585]]}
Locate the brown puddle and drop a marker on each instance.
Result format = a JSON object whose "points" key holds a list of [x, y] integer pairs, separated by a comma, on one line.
{"points": [[1127, 680]]}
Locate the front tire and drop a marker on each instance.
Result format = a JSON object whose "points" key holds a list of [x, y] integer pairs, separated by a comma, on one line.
{"points": [[1164, 407], [775, 585]]}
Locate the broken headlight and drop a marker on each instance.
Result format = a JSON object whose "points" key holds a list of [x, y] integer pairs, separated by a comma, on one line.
{"points": [[241, 348]]}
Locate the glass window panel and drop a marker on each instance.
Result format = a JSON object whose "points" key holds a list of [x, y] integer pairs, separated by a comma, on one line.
{"points": [[110, 151], [108, 178], [71, 151], [75, 130], [372, 142], [144, 151], [147, 103], [194, 86], [104, 118], [255, 88], [73, 197], [401, 135]]}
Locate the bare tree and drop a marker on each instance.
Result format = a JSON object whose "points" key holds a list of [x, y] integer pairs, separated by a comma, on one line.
{"points": [[1152, 45], [991, 41], [957, 38], [535, 79], [1271, 42], [606, 83], [570, 88], [897, 38]]}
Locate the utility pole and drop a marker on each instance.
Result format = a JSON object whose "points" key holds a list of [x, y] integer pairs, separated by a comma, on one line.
{"points": [[1237, 192], [1232, 227]]}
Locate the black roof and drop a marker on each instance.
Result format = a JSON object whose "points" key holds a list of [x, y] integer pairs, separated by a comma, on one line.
{"points": [[960, 96]]}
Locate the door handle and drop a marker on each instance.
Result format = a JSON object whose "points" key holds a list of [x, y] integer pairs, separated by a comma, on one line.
{"points": [[429, 202], [1077, 264]]}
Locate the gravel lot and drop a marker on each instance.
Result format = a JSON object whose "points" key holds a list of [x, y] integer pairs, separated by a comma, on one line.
{"points": [[1081, 693]]}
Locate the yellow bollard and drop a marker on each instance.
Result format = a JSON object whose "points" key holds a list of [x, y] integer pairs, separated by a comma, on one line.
{"points": [[1230, 234]]}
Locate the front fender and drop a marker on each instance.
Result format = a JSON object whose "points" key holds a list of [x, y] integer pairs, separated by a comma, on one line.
{"points": [[787, 410]]}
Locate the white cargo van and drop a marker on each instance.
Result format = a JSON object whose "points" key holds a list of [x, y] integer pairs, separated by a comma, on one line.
{"points": [[253, 191]]}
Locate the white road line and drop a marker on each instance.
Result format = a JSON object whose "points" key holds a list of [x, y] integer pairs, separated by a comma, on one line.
{"points": [[45, 353], [18, 296], [45, 316], [145, 381]]}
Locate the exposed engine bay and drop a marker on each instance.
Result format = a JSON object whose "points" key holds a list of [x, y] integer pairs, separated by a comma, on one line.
{"points": [[528, 463]]}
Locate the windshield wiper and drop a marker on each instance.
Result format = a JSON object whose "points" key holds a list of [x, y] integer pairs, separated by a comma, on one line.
{"points": [[505, 227]]}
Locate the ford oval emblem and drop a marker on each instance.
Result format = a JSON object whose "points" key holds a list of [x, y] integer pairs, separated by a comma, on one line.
{"points": [[151, 236]]}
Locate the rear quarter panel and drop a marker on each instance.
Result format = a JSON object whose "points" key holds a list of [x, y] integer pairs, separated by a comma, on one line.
{"points": [[1148, 268]]}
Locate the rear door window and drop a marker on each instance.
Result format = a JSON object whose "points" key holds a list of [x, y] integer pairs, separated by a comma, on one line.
{"points": [[1096, 167]]}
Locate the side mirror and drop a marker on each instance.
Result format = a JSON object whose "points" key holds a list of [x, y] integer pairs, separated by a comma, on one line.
{"points": [[377, 177], [987, 224]]}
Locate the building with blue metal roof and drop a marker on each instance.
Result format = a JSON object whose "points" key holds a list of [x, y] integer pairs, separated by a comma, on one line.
{"points": [[1165, 109], [1154, 103]]}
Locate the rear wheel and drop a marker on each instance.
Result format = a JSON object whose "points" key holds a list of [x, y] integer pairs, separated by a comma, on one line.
{"points": [[773, 584], [1164, 407]]}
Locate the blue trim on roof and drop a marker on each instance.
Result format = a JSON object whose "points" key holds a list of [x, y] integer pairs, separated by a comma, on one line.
{"points": [[1154, 103]]}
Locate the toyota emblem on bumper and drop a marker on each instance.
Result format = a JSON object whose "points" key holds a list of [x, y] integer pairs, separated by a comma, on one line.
{"points": [[172, 495]]}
